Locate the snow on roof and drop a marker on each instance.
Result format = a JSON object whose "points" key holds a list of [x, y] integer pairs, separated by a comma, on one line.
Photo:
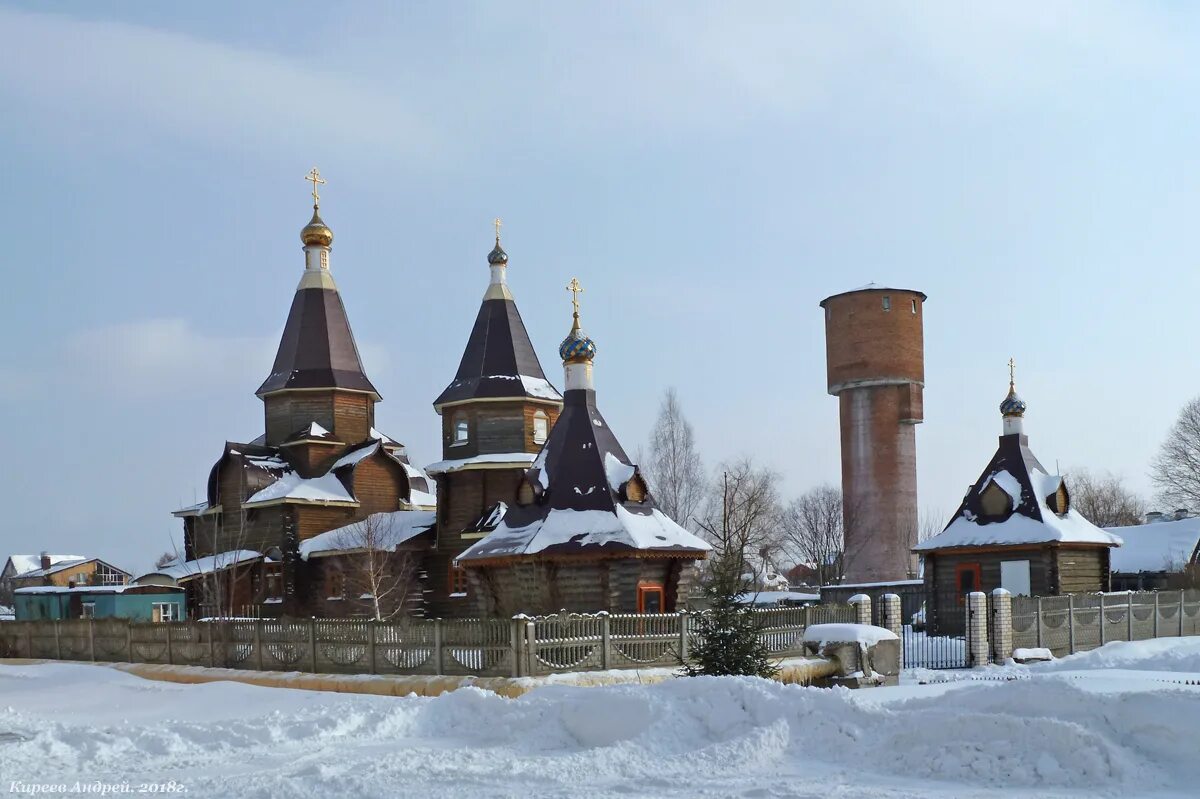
{"points": [[23, 564], [81, 589], [773, 597], [618, 473], [326, 488], [208, 564], [441, 467], [57, 567], [968, 530], [572, 529], [1156, 547], [393, 529], [884, 584]]}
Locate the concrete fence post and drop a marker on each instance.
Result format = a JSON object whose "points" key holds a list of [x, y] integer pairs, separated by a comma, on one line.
{"points": [[515, 643], [530, 646], [312, 643], [862, 608], [1071, 624], [28, 639], [438, 656], [212, 641], [605, 638], [1102, 618], [683, 636], [977, 639], [1038, 622], [1181, 598], [92, 639], [1001, 626], [1155, 614], [58, 640], [1129, 616], [258, 646], [170, 654], [129, 640], [371, 625]]}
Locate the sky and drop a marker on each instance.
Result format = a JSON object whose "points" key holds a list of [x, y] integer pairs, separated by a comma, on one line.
{"points": [[709, 172]]}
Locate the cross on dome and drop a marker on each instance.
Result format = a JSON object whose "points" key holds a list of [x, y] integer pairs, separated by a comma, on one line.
{"points": [[314, 177]]}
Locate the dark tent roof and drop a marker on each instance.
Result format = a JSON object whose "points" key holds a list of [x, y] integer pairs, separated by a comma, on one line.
{"points": [[499, 360], [582, 468], [317, 349]]}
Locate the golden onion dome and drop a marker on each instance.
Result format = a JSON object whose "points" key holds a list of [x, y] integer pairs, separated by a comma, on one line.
{"points": [[316, 232]]}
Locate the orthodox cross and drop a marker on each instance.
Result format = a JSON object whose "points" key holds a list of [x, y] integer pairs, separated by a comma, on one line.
{"points": [[575, 290], [1012, 372], [497, 223], [315, 177]]}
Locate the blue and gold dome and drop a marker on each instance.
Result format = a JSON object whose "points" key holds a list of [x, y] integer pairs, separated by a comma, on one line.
{"points": [[1012, 405], [497, 256], [577, 347]]}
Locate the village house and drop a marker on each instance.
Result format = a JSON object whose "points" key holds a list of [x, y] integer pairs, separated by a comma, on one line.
{"points": [[25, 571], [1015, 529], [135, 602], [1162, 553]]}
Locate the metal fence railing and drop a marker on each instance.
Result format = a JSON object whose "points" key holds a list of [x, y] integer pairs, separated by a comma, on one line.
{"points": [[484, 647]]}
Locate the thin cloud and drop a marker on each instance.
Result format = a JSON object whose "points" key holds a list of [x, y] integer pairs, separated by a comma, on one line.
{"points": [[165, 83]]}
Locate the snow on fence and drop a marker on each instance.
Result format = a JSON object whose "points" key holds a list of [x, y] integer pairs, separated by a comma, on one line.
{"points": [[1079, 622], [521, 646]]}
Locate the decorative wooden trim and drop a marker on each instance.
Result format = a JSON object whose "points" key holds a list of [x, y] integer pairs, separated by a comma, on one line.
{"points": [[582, 557]]}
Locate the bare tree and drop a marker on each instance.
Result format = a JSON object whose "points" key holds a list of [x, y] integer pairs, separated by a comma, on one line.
{"points": [[674, 467], [374, 569], [1104, 499], [1175, 470], [165, 559], [812, 532], [741, 520]]}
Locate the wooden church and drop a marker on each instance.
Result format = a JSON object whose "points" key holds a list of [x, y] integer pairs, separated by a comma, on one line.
{"points": [[1016, 530], [319, 465], [534, 507]]}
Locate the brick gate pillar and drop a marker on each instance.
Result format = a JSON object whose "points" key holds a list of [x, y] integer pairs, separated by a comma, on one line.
{"points": [[1000, 626], [862, 608], [977, 629]]}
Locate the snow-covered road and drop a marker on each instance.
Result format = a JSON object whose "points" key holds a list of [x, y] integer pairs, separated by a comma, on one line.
{"points": [[1107, 723]]}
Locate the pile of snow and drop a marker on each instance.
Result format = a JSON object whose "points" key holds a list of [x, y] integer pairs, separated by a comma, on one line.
{"points": [[1160, 654], [711, 737]]}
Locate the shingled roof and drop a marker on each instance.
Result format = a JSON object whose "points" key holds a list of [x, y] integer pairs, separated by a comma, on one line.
{"points": [[499, 360], [317, 349]]}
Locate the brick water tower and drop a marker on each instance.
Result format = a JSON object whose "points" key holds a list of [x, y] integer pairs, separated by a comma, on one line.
{"points": [[875, 354]]}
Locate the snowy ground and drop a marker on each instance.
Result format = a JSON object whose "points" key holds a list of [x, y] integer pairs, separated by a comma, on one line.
{"points": [[1114, 722]]}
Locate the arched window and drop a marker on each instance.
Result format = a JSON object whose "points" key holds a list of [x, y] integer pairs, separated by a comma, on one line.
{"points": [[541, 427], [462, 430]]}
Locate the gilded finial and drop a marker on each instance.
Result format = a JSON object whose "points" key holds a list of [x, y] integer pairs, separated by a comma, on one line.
{"points": [[497, 223], [1012, 373], [576, 347], [575, 290], [1012, 405], [314, 177]]}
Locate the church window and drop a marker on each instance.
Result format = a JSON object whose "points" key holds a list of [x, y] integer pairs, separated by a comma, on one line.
{"points": [[457, 584], [335, 585], [541, 427], [324, 259], [462, 430], [995, 501], [887, 303], [914, 306], [650, 598]]}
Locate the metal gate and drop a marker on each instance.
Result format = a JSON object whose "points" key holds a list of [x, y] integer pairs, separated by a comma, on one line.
{"points": [[935, 636]]}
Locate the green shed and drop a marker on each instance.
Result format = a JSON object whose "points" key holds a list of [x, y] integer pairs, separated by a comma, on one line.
{"points": [[135, 602]]}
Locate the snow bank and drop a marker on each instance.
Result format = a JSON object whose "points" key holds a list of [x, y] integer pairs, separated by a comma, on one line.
{"points": [[684, 738]]}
